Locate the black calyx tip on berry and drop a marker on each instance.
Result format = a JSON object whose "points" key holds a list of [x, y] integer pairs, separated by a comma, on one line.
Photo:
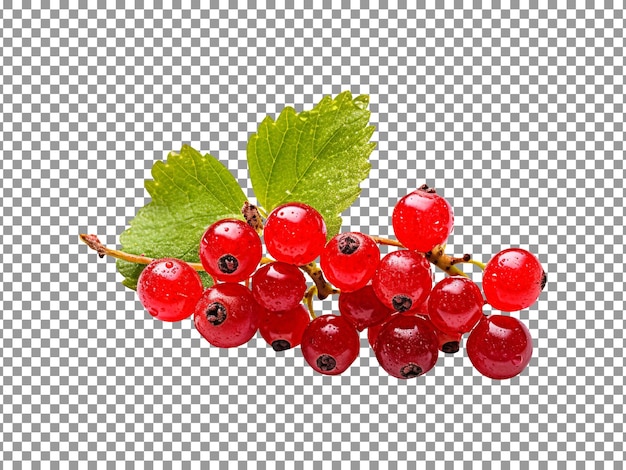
{"points": [[326, 362], [450, 347], [348, 244], [227, 264], [281, 345], [216, 313], [410, 370], [544, 279], [426, 189], [401, 303]]}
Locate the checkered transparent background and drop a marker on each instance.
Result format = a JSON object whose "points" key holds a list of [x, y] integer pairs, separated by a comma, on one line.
{"points": [[514, 111]]}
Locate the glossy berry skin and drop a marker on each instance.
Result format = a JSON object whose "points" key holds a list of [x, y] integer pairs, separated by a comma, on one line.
{"points": [[295, 233], [513, 280], [449, 343], [278, 286], [330, 344], [372, 331], [363, 308], [403, 280], [284, 330], [499, 347], [455, 305], [227, 315], [349, 260], [422, 219], [230, 250], [407, 346], [169, 289]]}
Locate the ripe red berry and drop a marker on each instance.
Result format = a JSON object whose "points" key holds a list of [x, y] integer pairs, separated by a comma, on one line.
{"points": [[169, 289], [363, 308], [278, 286], [499, 347], [407, 346], [284, 330], [455, 305], [372, 331], [295, 233], [349, 260], [403, 280], [513, 280], [330, 344], [230, 250], [422, 219], [449, 343], [227, 315]]}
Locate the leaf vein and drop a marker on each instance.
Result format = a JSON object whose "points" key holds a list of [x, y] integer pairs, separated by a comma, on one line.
{"points": [[214, 196], [275, 157]]}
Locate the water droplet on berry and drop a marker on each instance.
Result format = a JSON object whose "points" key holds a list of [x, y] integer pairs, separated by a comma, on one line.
{"points": [[169, 264]]}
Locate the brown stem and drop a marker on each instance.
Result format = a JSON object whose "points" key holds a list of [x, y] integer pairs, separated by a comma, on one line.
{"points": [[94, 243], [308, 299], [324, 288], [446, 262], [386, 241], [437, 256], [253, 217]]}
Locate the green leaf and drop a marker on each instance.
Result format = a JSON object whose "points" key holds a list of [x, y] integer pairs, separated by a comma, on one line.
{"points": [[317, 157], [189, 192]]}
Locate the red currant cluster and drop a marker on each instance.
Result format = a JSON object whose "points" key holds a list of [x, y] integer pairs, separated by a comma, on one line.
{"points": [[409, 318]]}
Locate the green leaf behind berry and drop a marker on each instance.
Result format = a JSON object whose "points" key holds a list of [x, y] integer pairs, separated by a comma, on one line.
{"points": [[189, 192], [317, 157]]}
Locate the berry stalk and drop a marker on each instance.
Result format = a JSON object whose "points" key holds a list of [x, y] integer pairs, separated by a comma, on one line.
{"points": [[308, 299], [438, 257], [95, 244], [323, 287]]}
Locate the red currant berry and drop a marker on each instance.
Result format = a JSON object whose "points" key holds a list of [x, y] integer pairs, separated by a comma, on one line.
{"points": [[227, 315], [449, 343], [349, 260], [363, 308], [403, 280], [422, 309], [284, 330], [513, 280], [407, 346], [372, 331], [295, 233], [230, 250], [500, 347], [422, 219], [278, 286], [169, 289], [330, 344], [455, 305]]}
